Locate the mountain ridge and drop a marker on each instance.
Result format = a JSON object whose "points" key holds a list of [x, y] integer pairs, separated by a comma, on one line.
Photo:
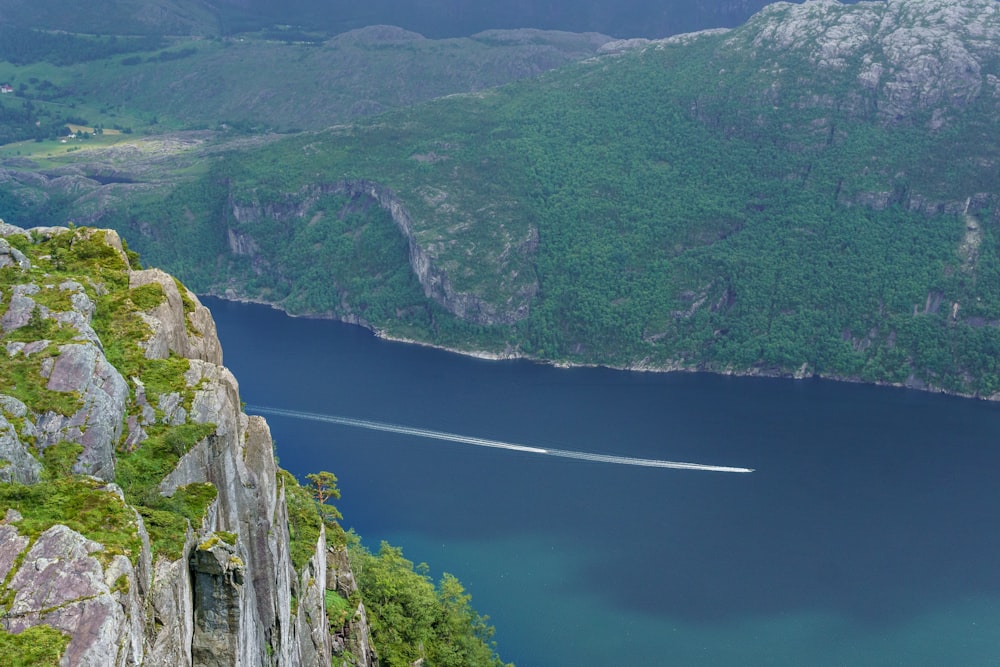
{"points": [[436, 18]]}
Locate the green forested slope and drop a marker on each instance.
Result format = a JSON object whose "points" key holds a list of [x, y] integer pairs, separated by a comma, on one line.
{"points": [[811, 193]]}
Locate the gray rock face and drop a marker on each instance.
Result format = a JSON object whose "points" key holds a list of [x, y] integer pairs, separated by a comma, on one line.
{"points": [[170, 323], [20, 308], [171, 610], [18, 465], [23, 307], [314, 641], [339, 576], [359, 641], [62, 583], [239, 461], [901, 59], [83, 369], [11, 256], [80, 315], [242, 245], [9, 230], [622, 45], [218, 586], [12, 543]]}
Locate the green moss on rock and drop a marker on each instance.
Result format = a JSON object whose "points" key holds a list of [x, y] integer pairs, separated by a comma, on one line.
{"points": [[84, 505], [21, 377], [148, 296], [38, 646], [59, 458]]}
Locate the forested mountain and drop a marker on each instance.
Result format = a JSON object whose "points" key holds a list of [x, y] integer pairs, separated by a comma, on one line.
{"points": [[811, 193], [113, 17]]}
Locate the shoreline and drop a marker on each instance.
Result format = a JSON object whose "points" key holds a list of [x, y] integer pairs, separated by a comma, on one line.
{"points": [[801, 374]]}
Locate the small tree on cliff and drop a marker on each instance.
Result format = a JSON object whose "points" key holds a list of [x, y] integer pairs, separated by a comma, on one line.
{"points": [[324, 488]]}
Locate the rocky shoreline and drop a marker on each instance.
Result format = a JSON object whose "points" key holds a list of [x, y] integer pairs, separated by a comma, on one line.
{"points": [[802, 373]]}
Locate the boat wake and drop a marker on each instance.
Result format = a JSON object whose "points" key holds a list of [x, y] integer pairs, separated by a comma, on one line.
{"points": [[495, 444]]}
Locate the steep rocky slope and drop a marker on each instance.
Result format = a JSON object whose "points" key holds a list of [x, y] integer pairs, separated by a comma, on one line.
{"points": [[144, 516], [900, 60]]}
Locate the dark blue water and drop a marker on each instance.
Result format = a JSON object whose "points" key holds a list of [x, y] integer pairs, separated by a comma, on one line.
{"points": [[868, 534]]}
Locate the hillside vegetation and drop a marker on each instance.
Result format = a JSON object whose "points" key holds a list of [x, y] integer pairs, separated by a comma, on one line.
{"points": [[812, 193], [732, 202], [277, 80]]}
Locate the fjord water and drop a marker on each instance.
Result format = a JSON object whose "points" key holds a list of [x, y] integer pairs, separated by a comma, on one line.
{"points": [[868, 534]]}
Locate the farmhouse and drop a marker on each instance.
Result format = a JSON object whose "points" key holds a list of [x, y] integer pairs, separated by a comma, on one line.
{"points": [[6, 88]]}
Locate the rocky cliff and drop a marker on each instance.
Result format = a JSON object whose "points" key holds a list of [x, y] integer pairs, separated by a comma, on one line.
{"points": [[145, 520], [903, 61], [513, 283]]}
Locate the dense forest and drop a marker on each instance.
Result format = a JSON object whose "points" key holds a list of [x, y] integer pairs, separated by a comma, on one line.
{"points": [[619, 212], [729, 201]]}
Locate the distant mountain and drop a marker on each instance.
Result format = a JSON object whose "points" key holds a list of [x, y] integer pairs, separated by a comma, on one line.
{"points": [[267, 83], [455, 18], [433, 18], [278, 80]]}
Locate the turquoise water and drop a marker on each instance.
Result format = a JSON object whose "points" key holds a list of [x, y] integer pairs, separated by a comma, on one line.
{"points": [[575, 626], [866, 536]]}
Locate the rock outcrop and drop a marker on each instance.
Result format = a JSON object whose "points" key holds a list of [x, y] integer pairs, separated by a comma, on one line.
{"points": [[515, 295], [901, 60], [63, 583], [220, 587], [511, 289], [186, 329]]}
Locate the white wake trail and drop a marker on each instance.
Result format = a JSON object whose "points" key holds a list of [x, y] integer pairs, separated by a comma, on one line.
{"points": [[495, 444]]}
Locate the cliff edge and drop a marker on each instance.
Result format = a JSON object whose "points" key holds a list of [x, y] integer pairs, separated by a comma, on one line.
{"points": [[143, 518]]}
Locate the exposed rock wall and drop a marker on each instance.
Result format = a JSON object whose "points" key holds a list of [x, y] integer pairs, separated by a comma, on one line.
{"points": [[190, 335], [228, 598], [511, 304], [62, 583], [434, 278], [900, 60]]}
